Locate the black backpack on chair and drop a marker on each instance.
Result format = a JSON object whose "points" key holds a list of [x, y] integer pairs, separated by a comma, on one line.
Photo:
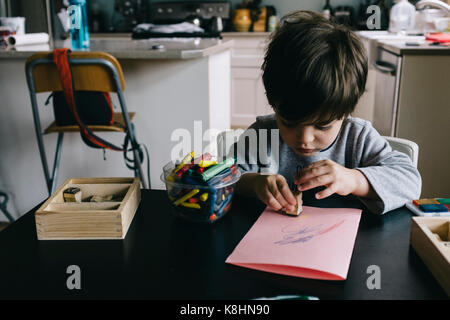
{"points": [[85, 108]]}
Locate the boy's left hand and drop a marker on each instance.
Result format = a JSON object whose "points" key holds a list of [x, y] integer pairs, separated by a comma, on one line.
{"points": [[336, 179]]}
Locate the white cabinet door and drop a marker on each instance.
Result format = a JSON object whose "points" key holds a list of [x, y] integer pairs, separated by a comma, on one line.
{"points": [[248, 98]]}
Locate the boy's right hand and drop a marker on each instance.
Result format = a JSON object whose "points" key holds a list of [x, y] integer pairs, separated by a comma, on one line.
{"points": [[274, 191]]}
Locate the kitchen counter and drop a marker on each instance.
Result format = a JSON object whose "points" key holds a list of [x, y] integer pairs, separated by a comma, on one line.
{"points": [[423, 48], [125, 48], [396, 44]]}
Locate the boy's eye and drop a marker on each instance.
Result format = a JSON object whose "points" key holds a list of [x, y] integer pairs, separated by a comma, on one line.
{"points": [[323, 128]]}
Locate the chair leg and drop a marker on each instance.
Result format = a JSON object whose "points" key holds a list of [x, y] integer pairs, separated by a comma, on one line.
{"points": [[3, 206], [137, 165], [40, 141], [56, 161]]}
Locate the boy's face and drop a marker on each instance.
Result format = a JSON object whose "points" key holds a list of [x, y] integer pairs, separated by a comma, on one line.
{"points": [[306, 139]]}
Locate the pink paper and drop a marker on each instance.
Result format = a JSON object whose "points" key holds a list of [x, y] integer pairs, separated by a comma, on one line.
{"points": [[318, 244]]}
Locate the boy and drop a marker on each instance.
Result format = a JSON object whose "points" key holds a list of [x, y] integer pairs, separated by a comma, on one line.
{"points": [[314, 72]]}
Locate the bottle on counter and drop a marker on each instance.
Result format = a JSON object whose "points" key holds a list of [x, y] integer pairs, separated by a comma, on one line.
{"points": [[402, 16], [79, 32], [327, 10], [272, 23]]}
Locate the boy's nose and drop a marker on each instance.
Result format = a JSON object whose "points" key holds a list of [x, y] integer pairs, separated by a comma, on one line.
{"points": [[305, 136]]}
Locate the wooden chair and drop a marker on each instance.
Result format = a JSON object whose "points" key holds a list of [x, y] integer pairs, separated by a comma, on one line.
{"points": [[91, 71]]}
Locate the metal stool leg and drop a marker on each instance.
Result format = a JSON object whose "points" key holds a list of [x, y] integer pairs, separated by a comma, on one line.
{"points": [[50, 180], [3, 206], [133, 140], [56, 162], [139, 168]]}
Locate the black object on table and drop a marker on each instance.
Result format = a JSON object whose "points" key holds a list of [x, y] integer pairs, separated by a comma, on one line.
{"points": [[163, 257]]}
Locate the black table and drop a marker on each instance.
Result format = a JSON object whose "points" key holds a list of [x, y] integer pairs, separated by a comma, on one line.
{"points": [[166, 258]]}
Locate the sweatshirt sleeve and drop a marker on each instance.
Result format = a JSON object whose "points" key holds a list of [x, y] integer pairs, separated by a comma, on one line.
{"points": [[253, 150], [390, 173]]}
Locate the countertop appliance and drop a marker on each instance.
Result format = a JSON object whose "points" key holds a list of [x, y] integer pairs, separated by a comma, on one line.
{"points": [[213, 17]]}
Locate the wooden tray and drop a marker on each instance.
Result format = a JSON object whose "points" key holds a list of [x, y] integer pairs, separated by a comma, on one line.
{"points": [[59, 220], [430, 237]]}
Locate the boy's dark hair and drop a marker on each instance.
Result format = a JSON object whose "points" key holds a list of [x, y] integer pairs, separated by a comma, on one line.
{"points": [[313, 69]]}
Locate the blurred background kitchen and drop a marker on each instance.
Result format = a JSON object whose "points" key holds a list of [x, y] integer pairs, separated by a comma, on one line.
{"points": [[108, 16], [216, 75]]}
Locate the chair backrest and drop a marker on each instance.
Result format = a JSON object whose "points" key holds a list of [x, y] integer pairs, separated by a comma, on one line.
{"points": [[405, 146], [92, 71]]}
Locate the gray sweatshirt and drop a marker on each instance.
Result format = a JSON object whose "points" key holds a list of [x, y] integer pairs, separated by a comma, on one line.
{"points": [[357, 146]]}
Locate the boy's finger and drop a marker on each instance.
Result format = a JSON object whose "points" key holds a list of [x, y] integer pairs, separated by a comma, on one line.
{"points": [[286, 192], [316, 164], [311, 173], [316, 182], [273, 203], [327, 192], [278, 196], [310, 167]]}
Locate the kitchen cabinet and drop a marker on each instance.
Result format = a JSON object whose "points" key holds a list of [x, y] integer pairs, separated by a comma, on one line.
{"points": [[248, 98], [423, 116], [412, 102]]}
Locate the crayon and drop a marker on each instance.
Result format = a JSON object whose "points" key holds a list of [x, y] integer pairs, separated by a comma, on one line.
{"points": [[433, 208], [227, 178], [443, 200], [212, 171], [191, 180], [219, 177], [425, 201], [205, 156], [191, 205], [185, 160], [185, 168], [193, 200], [227, 207], [224, 203], [212, 201], [186, 196], [200, 170], [204, 196], [206, 163]]}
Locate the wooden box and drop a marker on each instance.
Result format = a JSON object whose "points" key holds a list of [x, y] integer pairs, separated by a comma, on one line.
{"points": [[59, 220], [430, 237]]}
